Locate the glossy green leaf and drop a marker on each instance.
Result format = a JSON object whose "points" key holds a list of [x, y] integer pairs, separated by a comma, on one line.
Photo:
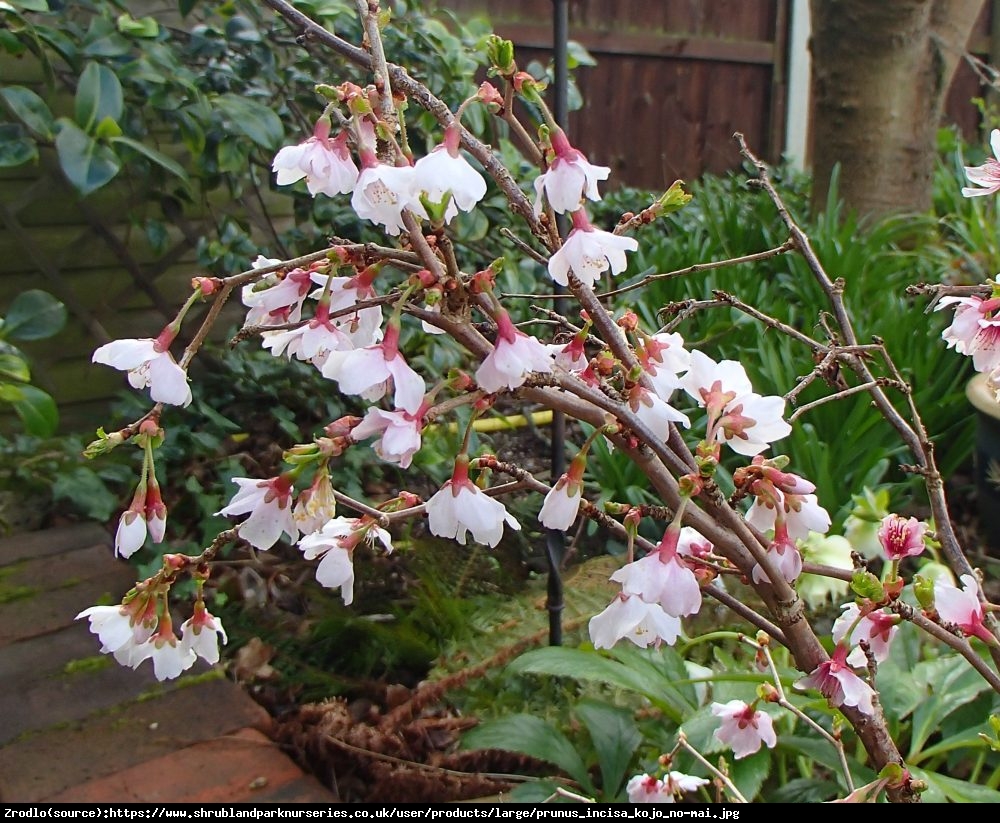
{"points": [[87, 164], [152, 155], [615, 738], [534, 737], [16, 148], [85, 489], [98, 95], [37, 410], [13, 367], [252, 119], [145, 27], [30, 5], [33, 315], [30, 109]]}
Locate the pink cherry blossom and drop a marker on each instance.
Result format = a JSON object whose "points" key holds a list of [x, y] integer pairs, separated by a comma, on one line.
{"points": [[311, 342], [986, 176], [569, 178], [589, 252], [273, 301], [316, 505], [743, 729], [446, 171], [962, 607], [515, 355], [655, 412], [644, 788], [122, 628], [334, 544], [569, 356], [201, 634], [663, 358], [170, 657], [400, 434], [739, 417], [801, 512], [631, 617], [901, 537], [839, 684], [148, 363], [459, 507], [131, 532], [562, 503], [381, 194], [784, 555], [269, 504], [326, 164], [974, 330], [370, 372], [663, 577], [877, 628]]}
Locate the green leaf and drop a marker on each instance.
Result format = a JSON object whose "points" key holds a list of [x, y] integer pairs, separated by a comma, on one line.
{"points": [[943, 788], [144, 27], [750, 773], [88, 493], [37, 410], [946, 683], [591, 665], [107, 129], [532, 736], [253, 119], [16, 148], [98, 95], [13, 367], [33, 315], [152, 155], [30, 5], [615, 738], [86, 163], [30, 109]]}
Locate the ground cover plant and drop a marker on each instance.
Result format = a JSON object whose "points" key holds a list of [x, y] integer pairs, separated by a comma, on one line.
{"points": [[892, 696]]}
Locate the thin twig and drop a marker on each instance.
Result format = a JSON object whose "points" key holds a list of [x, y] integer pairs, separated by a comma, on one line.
{"points": [[736, 794]]}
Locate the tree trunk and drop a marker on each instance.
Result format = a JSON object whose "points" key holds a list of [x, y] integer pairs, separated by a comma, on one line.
{"points": [[881, 72]]}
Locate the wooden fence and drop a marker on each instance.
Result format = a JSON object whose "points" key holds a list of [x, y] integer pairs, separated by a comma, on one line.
{"points": [[675, 78]]}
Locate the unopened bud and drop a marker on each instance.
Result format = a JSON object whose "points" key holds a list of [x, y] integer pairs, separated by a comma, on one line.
{"points": [[867, 585], [206, 285], [104, 444], [501, 54], [923, 589], [767, 693], [489, 94], [342, 426], [327, 91], [629, 321]]}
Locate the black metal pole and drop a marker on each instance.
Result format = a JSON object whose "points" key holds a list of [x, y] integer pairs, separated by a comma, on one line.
{"points": [[555, 540]]}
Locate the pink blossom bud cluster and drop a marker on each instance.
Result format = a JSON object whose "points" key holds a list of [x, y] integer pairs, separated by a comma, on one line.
{"points": [[975, 328], [141, 629]]}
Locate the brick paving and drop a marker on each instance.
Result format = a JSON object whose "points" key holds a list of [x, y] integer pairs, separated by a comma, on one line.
{"points": [[77, 727]]}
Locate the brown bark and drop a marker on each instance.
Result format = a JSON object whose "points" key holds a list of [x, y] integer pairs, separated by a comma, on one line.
{"points": [[881, 72]]}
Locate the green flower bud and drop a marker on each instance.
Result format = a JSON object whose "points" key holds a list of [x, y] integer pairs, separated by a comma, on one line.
{"points": [[923, 588], [867, 585]]}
